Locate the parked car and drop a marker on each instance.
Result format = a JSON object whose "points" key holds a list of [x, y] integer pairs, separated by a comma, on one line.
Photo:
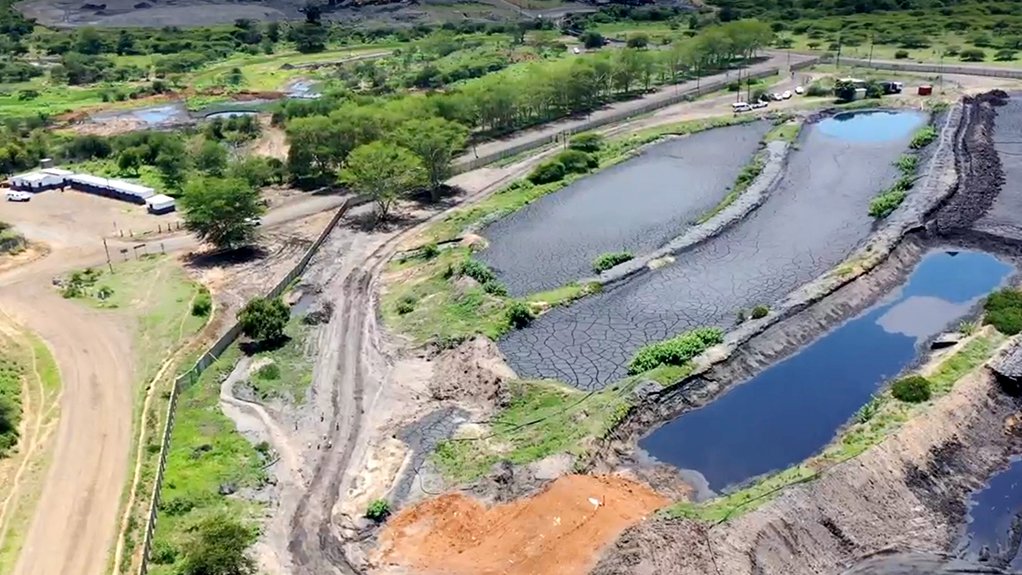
{"points": [[576, 50], [786, 95], [776, 97], [740, 107], [759, 104], [800, 90], [253, 221], [14, 196]]}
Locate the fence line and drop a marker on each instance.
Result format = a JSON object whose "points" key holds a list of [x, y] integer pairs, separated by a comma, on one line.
{"points": [[932, 68], [591, 124], [192, 375]]}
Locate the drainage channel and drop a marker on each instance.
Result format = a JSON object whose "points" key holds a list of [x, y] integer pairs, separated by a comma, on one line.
{"points": [[793, 409]]}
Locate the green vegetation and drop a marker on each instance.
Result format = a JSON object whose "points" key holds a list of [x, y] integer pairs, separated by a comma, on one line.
{"points": [[11, 242], [785, 131], [676, 351], [378, 510], [570, 161], [911, 389], [544, 418], [219, 547], [923, 137], [383, 173], [759, 311], [264, 319], [605, 261], [289, 373], [519, 314], [589, 142], [884, 204], [876, 420], [208, 459], [221, 211], [11, 374], [745, 178], [202, 305], [1004, 311]]}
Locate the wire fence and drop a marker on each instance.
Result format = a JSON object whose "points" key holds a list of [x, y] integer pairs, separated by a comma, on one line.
{"points": [[940, 69], [192, 375]]}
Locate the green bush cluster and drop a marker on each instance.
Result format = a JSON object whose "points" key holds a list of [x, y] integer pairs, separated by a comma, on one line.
{"points": [[519, 314], [887, 201], [605, 261], [923, 137], [1004, 311], [378, 510], [270, 371], [588, 142], [405, 305], [675, 351], [571, 161], [760, 311], [202, 304], [911, 389], [79, 283], [901, 54], [477, 271]]}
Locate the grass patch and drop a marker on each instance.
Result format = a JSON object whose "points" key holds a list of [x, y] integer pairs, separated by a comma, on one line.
{"points": [[1004, 311], [676, 351], [784, 132], [745, 178], [544, 418], [875, 421], [290, 374], [923, 137], [207, 455], [605, 261]]}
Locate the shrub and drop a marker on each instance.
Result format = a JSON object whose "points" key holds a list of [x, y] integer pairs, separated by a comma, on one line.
{"points": [[817, 90], [953, 50], [884, 204], [576, 162], [1005, 55], [901, 54], [608, 260], [740, 317], [923, 137], [907, 164], [967, 328], [519, 315], [495, 288], [866, 412], [638, 41], [760, 311], [104, 292], [1004, 311], [675, 351], [588, 142], [477, 271], [547, 172], [378, 510], [264, 319], [973, 55], [406, 304], [429, 251], [164, 553], [202, 304], [911, 389], [268, 371]]}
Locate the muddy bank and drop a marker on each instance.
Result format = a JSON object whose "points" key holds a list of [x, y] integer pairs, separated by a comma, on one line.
{"points": [[907, 493]]}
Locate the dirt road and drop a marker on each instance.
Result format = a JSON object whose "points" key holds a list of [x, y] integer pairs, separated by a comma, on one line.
{"points": [[74, 523]]}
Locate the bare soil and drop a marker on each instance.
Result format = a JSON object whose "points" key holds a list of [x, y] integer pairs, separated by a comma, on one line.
{"points": [[559, 530]]}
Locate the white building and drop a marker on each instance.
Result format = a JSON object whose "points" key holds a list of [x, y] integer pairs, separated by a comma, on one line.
{"points": [[40, 180], [159, 204], [119, 189]]}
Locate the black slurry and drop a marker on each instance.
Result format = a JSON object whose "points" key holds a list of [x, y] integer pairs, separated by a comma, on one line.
{"points": [[636, 206], [813, 220]]}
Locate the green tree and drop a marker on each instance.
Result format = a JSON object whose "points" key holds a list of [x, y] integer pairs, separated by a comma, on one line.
{"points": [[172, 162], [88, 41], [129, 161], [125, 43], [264, 319], [592, 39], [219, 548], [383, 173], [254, 170], [221, 211], [211, 158], [434, 141], [638, 41], [309, 37]]}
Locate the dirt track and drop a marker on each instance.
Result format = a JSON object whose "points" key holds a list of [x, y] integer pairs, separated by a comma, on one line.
{"points": [[73, 526]]}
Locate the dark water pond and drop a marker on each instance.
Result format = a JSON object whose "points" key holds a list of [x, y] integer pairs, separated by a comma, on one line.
{"points": [[812, 221], [155, 116], [994, 526], [636, 206], [791, 410], [872, 126], [229, 114]]}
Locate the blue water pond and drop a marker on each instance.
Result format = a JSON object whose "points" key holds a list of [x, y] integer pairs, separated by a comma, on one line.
{"points": [[793, 409], [872, 126], [994, 513]]}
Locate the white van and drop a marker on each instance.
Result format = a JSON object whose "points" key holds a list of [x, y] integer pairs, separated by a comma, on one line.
{"points": [[15, 196], [740, 107]]}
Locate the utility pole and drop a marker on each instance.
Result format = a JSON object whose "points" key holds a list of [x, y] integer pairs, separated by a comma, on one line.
{"points": [[870, 50], [738, 95], [107, 250], [837, 62]]}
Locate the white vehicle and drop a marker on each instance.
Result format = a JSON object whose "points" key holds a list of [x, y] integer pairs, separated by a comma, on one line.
{"points": [[576, 50], [786, 95], [14, 196], [253, 221], [740, 107], [759, 104], [800, 90], [776, 97]]}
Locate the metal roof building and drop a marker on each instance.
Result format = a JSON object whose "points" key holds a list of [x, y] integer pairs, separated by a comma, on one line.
{"points": [[1008, 368], [119, 189]]}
